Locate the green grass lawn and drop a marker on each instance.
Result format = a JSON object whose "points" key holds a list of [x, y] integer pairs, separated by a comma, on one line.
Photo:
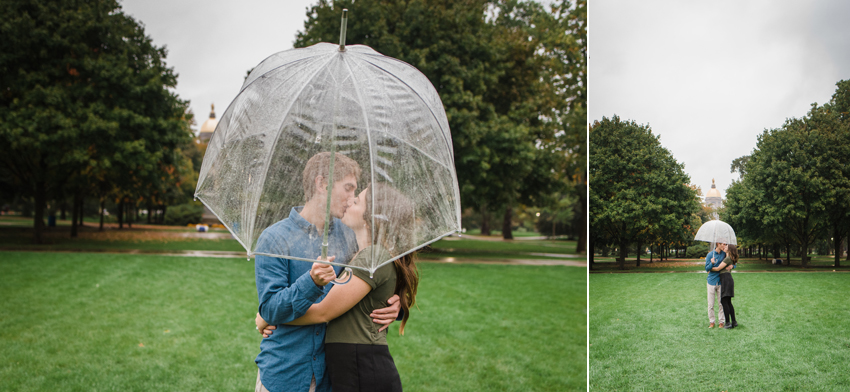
{"points": [[648, 332], [94, 322]]}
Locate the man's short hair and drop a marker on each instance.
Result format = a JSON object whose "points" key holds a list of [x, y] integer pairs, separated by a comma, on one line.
{"points": [[319, 165]]}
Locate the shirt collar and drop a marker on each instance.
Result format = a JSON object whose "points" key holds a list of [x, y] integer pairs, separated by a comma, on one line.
{"points": [[303, 224]]}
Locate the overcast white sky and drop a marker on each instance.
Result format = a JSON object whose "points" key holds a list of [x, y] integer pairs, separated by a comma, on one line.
{"points": [[709, 77], [211, 44]]}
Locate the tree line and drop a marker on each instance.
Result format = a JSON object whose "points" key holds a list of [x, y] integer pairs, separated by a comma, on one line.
{"points": [[794, 188], [512, 77], [87, 110]]}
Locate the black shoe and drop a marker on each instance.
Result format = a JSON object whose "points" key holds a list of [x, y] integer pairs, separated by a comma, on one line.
{"points": [[728, 326], [735, 324]]}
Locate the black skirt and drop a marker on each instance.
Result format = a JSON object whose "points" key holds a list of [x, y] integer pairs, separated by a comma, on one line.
{"points": [[361, 367], [727, 285]]}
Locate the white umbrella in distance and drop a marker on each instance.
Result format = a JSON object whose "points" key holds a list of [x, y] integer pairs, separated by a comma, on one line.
{"points": [[715, 231]]}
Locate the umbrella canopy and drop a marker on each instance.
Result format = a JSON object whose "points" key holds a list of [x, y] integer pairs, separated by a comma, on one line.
{"points": [[715, 231], [373, 118]]}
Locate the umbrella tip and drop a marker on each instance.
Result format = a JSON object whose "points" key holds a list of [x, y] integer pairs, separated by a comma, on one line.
{"points": [[343, 26]]}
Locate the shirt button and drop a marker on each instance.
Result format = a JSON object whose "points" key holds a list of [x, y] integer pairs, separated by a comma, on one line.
{"points": [[314, 358], [317, 333]]}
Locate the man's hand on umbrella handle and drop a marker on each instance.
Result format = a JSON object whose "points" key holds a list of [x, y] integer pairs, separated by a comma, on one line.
{"points": [[323, 274], [386, 316], [263, 327]]}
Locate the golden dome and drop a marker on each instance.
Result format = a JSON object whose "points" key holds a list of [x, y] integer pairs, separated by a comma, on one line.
{"points": [[713, 192], [209, 126]]}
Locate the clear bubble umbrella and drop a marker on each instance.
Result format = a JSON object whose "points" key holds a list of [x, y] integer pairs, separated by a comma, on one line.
{"points": [[715, 231], [354, 105]]}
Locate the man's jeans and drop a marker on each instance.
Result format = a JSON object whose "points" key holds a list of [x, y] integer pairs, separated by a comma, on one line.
{"points": [[262, 388], [714, 297]]}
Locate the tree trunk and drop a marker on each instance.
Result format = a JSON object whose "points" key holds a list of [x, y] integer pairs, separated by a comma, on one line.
{"points": [[82, 211], [651, 253], [582, 226], [624, 252], [485, 220], [150, 209], [62, 208], [74, 215], [836, 243], [101, 214], [121, 214], [638, 254], [590, 255], [805, 254], [129, 215], [162, 217], [40, 205], [506, 223]]}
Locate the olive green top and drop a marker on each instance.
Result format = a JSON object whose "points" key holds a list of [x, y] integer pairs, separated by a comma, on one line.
{"points": [[729, 261], [355, 325]]}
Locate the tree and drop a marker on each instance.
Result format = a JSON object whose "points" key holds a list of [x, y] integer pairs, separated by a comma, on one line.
{"points": [[493, 64], [93, 113], [636, 186], [785, 173]]}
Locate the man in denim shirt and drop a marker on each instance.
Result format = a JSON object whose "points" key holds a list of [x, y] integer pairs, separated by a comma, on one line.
{"points": [[293, 358], [714, 284]]}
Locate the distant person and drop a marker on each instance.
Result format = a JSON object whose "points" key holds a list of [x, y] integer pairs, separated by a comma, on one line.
{"points": [[293, 359], [728, 284], [357, 354], [714, 285]]}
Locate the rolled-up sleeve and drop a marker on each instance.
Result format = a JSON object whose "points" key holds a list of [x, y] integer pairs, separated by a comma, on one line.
{"points": [[279, 302]]}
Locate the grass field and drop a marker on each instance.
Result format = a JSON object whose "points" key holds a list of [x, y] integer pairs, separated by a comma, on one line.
{"points": [[648, 332], [95, 322]]}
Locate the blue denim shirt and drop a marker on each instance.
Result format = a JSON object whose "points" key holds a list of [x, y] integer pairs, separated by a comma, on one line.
{"points": [[291, 356], [714, 276]]}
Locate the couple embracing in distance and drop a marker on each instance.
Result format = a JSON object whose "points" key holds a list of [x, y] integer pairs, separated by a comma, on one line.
{"points": [[719, 264]]}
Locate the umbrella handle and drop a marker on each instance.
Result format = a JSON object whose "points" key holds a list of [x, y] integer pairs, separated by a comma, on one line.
{"points": [[346, 271]]}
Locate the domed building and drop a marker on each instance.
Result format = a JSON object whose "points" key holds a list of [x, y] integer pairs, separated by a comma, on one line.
{"points": [[208, 127], [204, 137], [713, 198]]}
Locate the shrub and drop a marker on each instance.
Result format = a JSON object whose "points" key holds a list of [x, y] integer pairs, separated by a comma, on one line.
{"points": [[697, 251], [184, 214]]}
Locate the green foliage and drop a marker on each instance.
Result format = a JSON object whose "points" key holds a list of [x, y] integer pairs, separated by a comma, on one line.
{"points": [[184, 214], [795, 187], [510, 74], [697, 250], [86, 106], [638, 192]]}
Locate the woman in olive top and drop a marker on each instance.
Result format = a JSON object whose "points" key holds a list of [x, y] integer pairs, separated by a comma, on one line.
{"points": [[727, 286], [356, 351]]}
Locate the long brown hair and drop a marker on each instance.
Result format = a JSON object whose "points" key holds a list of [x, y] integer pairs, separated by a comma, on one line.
{"points": [[394, 226], [733, 252]]}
